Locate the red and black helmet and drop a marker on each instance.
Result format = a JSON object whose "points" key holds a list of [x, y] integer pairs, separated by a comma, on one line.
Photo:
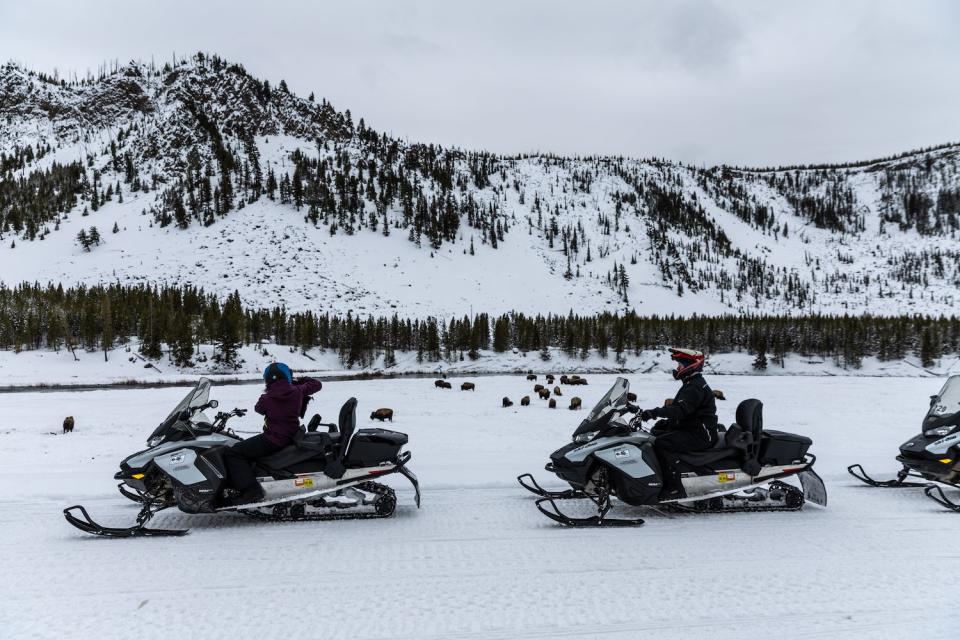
{"points": [[688, 362]]}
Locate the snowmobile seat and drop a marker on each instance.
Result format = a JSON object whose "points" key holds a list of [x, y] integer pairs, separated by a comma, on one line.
{"points": [[740, 445], [305, 446], [720, 457], [348, 423]]}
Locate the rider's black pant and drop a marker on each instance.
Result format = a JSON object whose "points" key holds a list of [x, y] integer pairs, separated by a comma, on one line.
{"points": [[669, 444], [239, 460]]}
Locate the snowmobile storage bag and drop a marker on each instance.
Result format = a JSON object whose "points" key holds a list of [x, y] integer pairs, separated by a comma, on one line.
{"points": [[780, 447], [373, 446]]}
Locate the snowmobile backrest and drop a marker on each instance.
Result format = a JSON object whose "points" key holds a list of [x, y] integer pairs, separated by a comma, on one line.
{"points": [[348, 423], [750, 417], [750, 421]]}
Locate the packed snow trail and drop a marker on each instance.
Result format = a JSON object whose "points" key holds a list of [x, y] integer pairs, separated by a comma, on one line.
{"points": [[478, 561]]}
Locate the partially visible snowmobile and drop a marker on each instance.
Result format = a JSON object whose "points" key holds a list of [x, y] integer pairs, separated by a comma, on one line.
{"points": [[933, 455], [321, 476], [611, 455]]}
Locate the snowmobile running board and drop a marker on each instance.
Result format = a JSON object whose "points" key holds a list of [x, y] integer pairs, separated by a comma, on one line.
{"points": [[85, 523], [935, 493], [857, 472]]}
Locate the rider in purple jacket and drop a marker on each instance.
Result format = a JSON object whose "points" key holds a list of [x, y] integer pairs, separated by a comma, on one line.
{"points": [[282, 405]]}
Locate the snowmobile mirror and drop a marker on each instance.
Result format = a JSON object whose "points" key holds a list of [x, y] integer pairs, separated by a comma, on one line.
{"points": [[933, 400], [213, 404]]}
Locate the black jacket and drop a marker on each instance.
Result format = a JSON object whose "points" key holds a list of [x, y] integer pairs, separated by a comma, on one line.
{"points": [[694, 408]]}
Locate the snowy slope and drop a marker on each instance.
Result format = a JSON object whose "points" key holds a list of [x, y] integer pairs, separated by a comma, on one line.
{"points": [[692, 250], [477, 561]]}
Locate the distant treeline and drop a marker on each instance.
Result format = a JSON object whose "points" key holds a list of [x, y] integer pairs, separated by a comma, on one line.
{"points": [[172, 321]]}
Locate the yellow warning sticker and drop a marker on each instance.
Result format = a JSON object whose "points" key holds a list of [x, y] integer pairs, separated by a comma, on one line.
{"points": [[303, 482], [726, 477]]}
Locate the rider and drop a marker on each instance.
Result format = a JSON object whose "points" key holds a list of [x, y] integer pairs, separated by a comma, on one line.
{"points": [[282, 406], [689, 423]]}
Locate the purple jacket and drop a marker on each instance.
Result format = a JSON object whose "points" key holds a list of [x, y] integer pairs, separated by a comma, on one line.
{"points": [[281, 405]]}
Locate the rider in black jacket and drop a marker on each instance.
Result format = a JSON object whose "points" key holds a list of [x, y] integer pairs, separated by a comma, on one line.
{"points": [[689, 423]]}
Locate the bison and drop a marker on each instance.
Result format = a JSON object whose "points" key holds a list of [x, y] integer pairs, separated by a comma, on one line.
{"points": [[440, 384], [507, 402], [468, 386], [556, 391], [531, 376], [68, 423], [537, 388], [719, 394], [564, 380], [525, 401], [550, 378], [553, 403], [575, 403], [382, 414], [544, 394]]}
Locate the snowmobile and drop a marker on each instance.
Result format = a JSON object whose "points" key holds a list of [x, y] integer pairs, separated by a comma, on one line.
{"points": [[933, 455], [611, 455], [323, 475]]}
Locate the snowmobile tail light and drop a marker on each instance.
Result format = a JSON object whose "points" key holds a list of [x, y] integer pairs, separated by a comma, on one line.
{"points": [[946, 460], [137, 476]]}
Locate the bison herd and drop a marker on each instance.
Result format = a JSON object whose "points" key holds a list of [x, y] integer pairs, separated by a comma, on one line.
{"points": [[544, 393]]}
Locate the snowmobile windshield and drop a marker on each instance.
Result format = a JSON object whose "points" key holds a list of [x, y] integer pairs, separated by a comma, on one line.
{"points": [[945, 406], [198, 397], [614, 398]]}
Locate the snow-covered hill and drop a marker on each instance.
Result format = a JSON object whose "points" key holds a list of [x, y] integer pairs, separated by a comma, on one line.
{"points": [[201, 174]]}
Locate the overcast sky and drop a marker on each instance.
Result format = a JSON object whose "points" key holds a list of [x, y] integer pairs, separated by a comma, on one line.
{"points": [[749, 82]]}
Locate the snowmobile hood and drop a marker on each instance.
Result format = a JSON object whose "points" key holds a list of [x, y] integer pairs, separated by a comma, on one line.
{"points": [[944, 411]]}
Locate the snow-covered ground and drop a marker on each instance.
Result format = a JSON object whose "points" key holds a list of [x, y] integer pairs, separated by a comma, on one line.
{"points": [[477, 561], [84, 369]]}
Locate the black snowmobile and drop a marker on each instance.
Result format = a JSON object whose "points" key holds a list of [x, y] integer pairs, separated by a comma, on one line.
{"points": [[611, 455], [933, 455], [323, 475]]}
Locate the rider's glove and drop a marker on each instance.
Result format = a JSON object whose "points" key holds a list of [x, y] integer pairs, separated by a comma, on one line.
{"points": [[647, 414]]}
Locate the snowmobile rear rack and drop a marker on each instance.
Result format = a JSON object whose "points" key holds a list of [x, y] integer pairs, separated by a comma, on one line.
{"points": [[85, 523], [935, 493], [857, 472]]}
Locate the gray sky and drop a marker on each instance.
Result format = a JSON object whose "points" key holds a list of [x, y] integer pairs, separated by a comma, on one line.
{"points": [[749, 82]]}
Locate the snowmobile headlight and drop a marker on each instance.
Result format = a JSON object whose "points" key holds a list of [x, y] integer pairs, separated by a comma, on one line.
{"points": [[155, 440], [584, 437], [939, 432]]}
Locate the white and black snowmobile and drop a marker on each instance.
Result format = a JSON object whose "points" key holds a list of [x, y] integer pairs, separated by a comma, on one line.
{"points": [[933, 455], [611, 455], [323, 475]]}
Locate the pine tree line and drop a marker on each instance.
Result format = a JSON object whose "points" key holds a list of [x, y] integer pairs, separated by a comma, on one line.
{"points": [[172, 321]]}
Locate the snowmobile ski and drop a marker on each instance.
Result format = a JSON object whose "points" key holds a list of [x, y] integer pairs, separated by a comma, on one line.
{"points": [[935, 492], [599, 520], [85, 523], [857, 472]]}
